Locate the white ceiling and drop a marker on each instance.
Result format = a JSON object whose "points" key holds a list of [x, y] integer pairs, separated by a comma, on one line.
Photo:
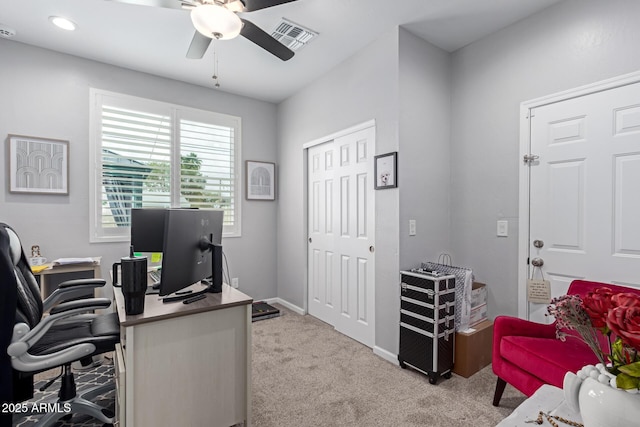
{"points": [[155, 40]]}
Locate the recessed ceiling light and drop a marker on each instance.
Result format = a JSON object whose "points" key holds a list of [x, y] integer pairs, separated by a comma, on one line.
{"points": [[63, 23]]}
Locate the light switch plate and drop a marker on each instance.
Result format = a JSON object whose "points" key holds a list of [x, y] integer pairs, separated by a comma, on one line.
{"points": [[412, 227], [503, 228]]}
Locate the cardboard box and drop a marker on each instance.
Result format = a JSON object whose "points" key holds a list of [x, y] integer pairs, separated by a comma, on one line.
{"points": [[478, 294], [478, 314], [473, 349]]}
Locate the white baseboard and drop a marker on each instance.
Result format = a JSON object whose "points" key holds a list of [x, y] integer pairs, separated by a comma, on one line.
{"points": [[287, 304], [386, 355]]}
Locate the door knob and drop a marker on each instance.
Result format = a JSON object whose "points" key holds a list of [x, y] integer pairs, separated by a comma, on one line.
{"points": [[371, 249], [537, 262], [310, 240]]}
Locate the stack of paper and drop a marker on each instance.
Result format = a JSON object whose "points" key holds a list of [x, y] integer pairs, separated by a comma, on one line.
{"points": [[68, 261]]}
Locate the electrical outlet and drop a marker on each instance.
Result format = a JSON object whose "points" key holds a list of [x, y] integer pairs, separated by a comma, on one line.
{"points": [[234, 282]]}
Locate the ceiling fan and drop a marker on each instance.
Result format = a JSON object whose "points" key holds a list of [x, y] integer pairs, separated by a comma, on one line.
{"points": [[218, 19]]}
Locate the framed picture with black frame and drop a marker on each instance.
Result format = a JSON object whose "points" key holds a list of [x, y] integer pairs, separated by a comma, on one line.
{"points": [[386, 171], [261, 180]]}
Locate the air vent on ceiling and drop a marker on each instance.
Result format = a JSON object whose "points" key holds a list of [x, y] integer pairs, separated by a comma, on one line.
{"points": [[7, 32], [292, 35]]}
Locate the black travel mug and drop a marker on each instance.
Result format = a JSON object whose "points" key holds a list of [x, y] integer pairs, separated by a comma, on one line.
{"points": [[133, 282]]}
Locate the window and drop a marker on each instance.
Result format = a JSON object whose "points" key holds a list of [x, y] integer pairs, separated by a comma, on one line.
{"points": [[152, 154]]}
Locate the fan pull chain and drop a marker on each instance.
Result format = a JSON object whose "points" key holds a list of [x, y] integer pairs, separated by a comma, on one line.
{"points": [[215, 67]]}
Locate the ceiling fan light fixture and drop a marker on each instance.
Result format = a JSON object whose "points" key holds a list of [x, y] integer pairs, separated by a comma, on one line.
{"points": [[216, 21]]}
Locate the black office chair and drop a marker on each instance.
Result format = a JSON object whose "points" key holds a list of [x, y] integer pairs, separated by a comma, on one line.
{"points": [[70, 332]]}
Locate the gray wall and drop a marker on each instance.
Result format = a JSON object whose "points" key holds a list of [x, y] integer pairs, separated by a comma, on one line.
{"points": [[467, 103], [362, 88], [571, 44], [403, 83], [423, 161], [46, 94]]}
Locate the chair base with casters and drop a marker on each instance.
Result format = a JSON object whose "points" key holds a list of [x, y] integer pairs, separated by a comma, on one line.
{"points": [[69, 402], [528, 354]]}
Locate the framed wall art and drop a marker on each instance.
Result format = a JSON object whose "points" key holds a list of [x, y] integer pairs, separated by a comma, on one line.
{"points": [[38, 165], [385, 170], [261, 180]]}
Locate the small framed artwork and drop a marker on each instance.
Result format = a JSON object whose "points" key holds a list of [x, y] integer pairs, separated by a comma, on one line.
{"points": [[261, 180], [38, 165], [385, 170]]}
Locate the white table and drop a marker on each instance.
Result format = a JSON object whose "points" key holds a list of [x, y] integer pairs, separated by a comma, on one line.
{"points": [[548, 399], [185, 364]]}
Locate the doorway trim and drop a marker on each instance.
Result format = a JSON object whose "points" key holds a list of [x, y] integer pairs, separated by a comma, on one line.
{"points": [[347, 131], [524, 175]]}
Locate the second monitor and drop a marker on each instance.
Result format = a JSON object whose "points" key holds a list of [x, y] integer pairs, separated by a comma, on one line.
{"points": [[191, 248]]}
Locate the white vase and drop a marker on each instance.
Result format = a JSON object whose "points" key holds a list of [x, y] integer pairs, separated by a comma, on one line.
{"points": [[599, 404]]}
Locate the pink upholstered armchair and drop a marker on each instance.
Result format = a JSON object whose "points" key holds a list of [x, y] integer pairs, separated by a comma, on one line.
{"points": [[528, 355]]}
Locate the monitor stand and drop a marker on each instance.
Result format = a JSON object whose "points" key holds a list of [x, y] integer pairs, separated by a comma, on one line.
{"points": [[216, 269], [213, 284]]}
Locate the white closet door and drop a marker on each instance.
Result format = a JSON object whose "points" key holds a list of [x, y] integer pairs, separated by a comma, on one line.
{"points": [[341, 227]]}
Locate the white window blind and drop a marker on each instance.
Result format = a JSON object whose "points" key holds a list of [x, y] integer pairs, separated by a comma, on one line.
{"points": [[151, 154]]}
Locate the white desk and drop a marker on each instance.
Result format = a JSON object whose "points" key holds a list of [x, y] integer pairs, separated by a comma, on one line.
{"points": [[548, 399], [185, 364]]}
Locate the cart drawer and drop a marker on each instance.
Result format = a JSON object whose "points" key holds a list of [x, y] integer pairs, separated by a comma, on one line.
{"points": [[426, 309]]}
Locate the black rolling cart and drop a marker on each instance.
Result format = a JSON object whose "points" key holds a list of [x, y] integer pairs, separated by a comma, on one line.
{"points": [[427, 322]]}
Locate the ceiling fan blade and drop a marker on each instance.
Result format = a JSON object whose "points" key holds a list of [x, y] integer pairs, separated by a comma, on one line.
{"points": [[258, 36], [251, 5], [198, 46], [171, 4]]}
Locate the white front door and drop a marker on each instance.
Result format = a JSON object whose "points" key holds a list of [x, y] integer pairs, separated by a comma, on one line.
{"points": [[341, 237], [585, 191]]}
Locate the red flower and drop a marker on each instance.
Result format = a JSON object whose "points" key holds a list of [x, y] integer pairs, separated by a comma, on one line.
{"points": [[625, 323], [597, 305], [626, 300]]}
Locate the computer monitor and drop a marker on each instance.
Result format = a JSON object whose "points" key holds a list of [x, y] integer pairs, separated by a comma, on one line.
{"points": [[147, 229], [192, 249]]}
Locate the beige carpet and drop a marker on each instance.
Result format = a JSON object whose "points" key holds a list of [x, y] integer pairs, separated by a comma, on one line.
{"points": [[307, 374]]}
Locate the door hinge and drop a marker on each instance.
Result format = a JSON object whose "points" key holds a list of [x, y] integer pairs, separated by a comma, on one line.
{"points": [[530, 158]]}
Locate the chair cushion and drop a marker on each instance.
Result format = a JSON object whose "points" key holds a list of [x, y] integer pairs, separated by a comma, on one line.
{"points": [[106, 325], [547, 359], [102, 331]]}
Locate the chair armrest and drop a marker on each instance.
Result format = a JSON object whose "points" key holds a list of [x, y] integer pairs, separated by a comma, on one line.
{"points": [[82, 303], [513, 326], [69, 287], [23, 339], [95, 283]]}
